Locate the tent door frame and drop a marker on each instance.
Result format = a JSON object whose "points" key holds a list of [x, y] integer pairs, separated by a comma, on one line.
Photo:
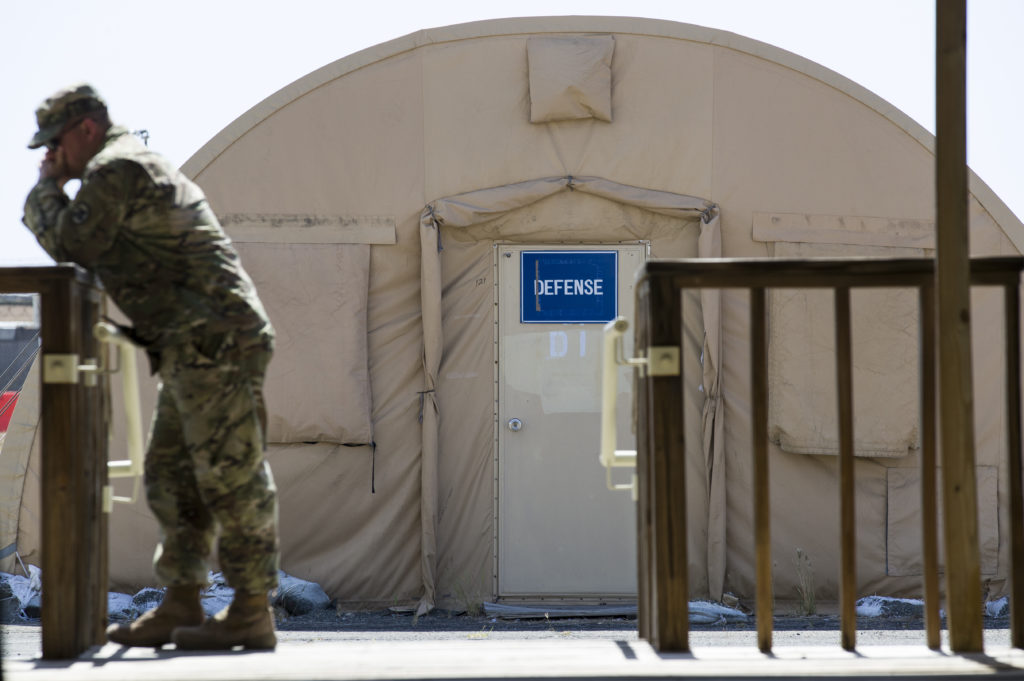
{"points": [[499, 416]]}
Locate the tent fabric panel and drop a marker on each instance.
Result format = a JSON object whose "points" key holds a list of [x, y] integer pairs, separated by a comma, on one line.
{"points": [[318, 384], [350, 148], [903, 529], [309, 229], [988, 369], [369, 553], [839, 229], [487, 107], [466, 404], [804, 499], [19, 531], [803, 412], [757, 174], [570, 77], [844, 145], [805, 481]]}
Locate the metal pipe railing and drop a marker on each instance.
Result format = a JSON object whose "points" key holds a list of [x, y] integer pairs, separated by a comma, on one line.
{"points": [[127, 366], [613, 357]]}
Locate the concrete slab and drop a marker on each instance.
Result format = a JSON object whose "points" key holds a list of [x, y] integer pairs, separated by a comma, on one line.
{"points": [[483, 658]]}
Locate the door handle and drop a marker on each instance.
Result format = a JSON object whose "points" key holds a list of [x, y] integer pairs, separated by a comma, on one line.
{"points": [[515, 425]]}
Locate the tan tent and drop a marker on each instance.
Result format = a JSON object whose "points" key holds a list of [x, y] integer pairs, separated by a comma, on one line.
{"points": [[433, 445]]}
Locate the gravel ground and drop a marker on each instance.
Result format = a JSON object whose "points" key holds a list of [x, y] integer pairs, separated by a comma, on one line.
{"points": [[794, 630], [439, 620]]}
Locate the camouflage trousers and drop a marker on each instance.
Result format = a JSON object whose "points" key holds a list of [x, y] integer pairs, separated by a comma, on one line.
{"points": [[206, 475]]}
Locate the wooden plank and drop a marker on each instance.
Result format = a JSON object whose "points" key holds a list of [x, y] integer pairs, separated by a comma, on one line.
{"points": [[668, 465], [94, 522], [59, 477], [36, 279], [929, 503], [1011, 301], [646, 578], [822, 272], [762, 506], [956, 399], [847, 488], [84, 517]]}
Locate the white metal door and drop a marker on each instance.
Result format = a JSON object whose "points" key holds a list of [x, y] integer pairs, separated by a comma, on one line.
{"points": [[561, 532]]}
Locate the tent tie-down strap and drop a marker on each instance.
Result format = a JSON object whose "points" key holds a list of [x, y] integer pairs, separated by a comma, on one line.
{"points": [[421, 393], [436, 221], [373, 461]]}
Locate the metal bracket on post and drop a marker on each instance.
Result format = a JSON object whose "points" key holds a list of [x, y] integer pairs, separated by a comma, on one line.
{"points": [[64, 368], [663, 360]]}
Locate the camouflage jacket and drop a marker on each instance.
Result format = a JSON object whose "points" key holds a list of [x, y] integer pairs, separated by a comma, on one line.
{"points": [[150, 235]]}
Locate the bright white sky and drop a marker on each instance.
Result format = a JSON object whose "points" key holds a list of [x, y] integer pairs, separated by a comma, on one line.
{"points": [[185, 69]]}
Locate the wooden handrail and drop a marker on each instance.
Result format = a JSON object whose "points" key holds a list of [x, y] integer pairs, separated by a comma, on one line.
{"points": [[663, 611]]}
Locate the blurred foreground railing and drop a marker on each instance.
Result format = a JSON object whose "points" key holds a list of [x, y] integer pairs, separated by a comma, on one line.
{"points": [[74, 458], [663, 586]]}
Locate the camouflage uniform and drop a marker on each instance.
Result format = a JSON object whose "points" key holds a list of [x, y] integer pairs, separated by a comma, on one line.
{"points": [[150, 235]]}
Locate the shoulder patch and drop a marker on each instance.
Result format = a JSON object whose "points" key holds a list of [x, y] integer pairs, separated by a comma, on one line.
{"points": [[79, 213]]}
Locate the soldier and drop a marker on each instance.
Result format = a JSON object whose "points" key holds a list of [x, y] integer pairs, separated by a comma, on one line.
{"points": [[149, 234]]}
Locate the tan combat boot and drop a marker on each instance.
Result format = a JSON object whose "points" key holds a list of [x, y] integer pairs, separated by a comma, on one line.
{"points": [[247, 622], [180, 608]]}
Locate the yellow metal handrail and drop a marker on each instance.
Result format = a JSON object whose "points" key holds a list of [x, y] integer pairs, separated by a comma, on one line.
{"points": [[613, 358], [128, 368]]}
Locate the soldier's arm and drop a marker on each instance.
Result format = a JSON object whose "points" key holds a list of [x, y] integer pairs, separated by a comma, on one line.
{"points": [[82, 229]]}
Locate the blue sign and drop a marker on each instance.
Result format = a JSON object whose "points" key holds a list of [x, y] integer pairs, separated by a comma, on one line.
{"points": [[577, 287]]}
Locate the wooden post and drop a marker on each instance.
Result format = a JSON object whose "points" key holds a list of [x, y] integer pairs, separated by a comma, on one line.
{"points": [[61, 474], [1011, 297], [646, 547], [956, 399], [74, 460], [93, 521], [847, 488], [929, 504], [762, 506], [667, 475]]}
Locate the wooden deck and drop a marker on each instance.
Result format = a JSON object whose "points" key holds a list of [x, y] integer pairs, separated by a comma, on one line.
{"points": [[516, 659]]}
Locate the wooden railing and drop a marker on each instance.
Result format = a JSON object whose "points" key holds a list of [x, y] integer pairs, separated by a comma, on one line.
{"points": [[74, 459], [663, 587]]}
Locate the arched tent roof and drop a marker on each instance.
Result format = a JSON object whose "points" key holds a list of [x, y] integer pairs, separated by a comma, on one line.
{"points": [[590, 24]]}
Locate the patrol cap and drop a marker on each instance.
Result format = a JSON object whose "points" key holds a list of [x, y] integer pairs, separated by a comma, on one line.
{"points": [[62, 107]]}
